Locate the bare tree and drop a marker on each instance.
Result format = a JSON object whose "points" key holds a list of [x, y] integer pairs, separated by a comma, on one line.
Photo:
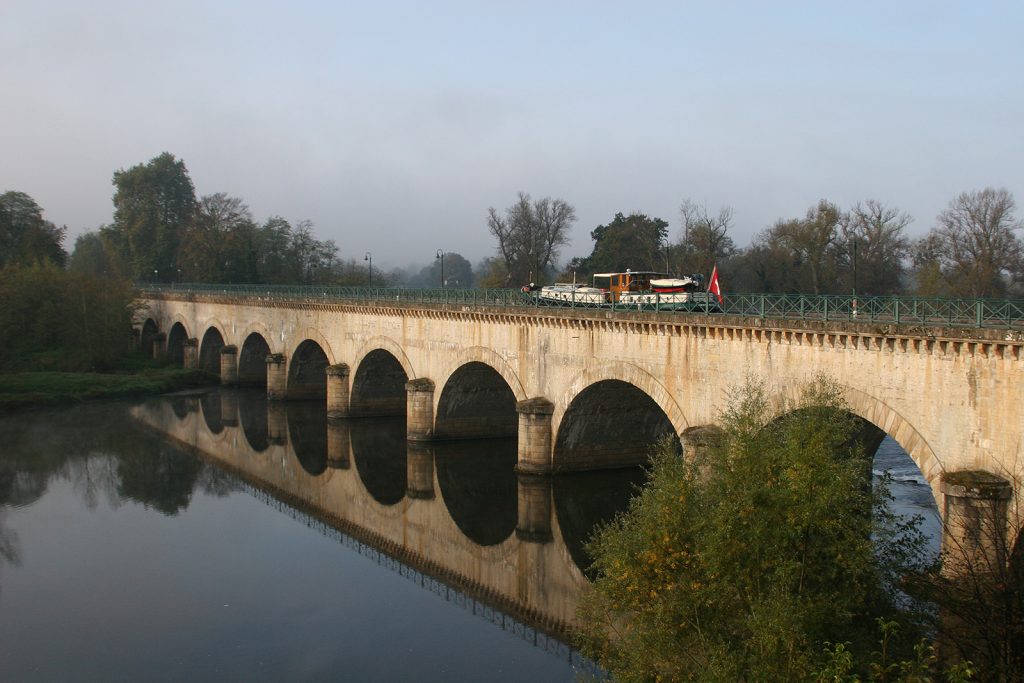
{"points": [[706, 238], [876, 247], [973, 244], [529, 234]]}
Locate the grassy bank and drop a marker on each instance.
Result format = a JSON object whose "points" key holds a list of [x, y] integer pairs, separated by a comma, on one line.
{"points": [[25, 389]]}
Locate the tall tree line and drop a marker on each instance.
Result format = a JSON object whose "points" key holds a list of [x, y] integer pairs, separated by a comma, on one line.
{"points": [[162, 232], [973, 249]]}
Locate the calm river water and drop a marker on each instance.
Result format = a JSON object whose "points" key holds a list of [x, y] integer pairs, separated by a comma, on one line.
{"points": [[224, 538]]}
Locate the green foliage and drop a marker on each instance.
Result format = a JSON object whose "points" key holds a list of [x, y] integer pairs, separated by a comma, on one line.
{"points": [[742, 564], [25, 237], [23, 389], [635, 241], [919, 668], [154, 205], [59, 320]]}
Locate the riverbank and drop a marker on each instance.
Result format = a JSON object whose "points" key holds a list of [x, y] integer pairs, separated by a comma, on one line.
{"points": [[29, 389]]}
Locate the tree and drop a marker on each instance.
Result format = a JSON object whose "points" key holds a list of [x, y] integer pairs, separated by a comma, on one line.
{"points": [[529, 235], [705, 241], [54, 319], [876, 248], [91, 256], [25, 237], [973, 246], [458, 273], [154, 205], [743, 562], [221, 244], [636, 241], [800, 254]]}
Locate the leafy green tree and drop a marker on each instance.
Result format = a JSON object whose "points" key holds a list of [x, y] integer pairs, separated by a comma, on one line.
{"points": [[91, 256], [25, 237], [741, 564], [529, 234], [636, 241], [221, 245], [154, 206], [54, 319]]}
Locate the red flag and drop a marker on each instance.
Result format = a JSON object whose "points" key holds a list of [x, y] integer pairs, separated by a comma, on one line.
{"points": [[713, 285]]}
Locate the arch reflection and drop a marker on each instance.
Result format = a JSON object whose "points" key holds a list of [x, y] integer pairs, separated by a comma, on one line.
{"points": [[379, 449], [252, 413], [210, 403], [584, 501], [479, 487], [307, 431]]}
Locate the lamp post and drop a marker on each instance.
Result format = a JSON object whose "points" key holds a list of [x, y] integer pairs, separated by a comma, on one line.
{"points": [[156, 273], [369, 269], [440, 257], [855, 266]]}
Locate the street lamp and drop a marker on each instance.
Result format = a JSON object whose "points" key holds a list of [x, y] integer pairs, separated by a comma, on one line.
{"points": [[369, 269], [440, 257], [854, 266], [156, 272]]}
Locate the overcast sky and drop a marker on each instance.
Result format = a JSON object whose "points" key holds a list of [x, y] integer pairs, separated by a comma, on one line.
{"points": [[393, 126]]}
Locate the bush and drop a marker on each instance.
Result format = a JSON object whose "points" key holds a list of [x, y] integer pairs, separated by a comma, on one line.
{"points": [[51, 319], [743, 565]]}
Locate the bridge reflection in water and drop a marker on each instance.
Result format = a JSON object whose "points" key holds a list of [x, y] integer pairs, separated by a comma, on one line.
{"points": [[453, 516]]}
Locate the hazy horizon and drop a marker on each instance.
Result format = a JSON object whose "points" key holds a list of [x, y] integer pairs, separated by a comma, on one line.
{"points": [[394, 126]]}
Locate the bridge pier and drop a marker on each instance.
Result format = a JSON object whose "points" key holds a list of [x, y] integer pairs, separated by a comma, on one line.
{"points": [[419, 409], [277, 377], [974, 517], [229, 365], [159, 345], [277, 423], [534, 435], [698, 442], [339, 443], [533, 513], [338, 390], [190, 354], [419, 471], [229, 408]]}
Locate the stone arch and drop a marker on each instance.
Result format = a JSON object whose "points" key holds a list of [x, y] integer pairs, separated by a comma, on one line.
{"points": [[147, 335], [176, 342], [307, 371], [886, 418], [631, 374], [265, 332], [389, 345], [490, 358], [476, 402], [313, 335], [252, 360], [209, 349], [378, 385], [586, 421]]}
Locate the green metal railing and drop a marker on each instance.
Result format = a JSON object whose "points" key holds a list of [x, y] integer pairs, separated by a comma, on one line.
{"points": [[895, 310]]}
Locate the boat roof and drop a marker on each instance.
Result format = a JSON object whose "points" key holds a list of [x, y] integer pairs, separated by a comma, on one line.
{"points": [[633, 272]]}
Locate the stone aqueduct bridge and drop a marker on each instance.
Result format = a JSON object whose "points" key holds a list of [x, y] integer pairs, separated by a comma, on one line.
{"points": [[585, 388]]}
